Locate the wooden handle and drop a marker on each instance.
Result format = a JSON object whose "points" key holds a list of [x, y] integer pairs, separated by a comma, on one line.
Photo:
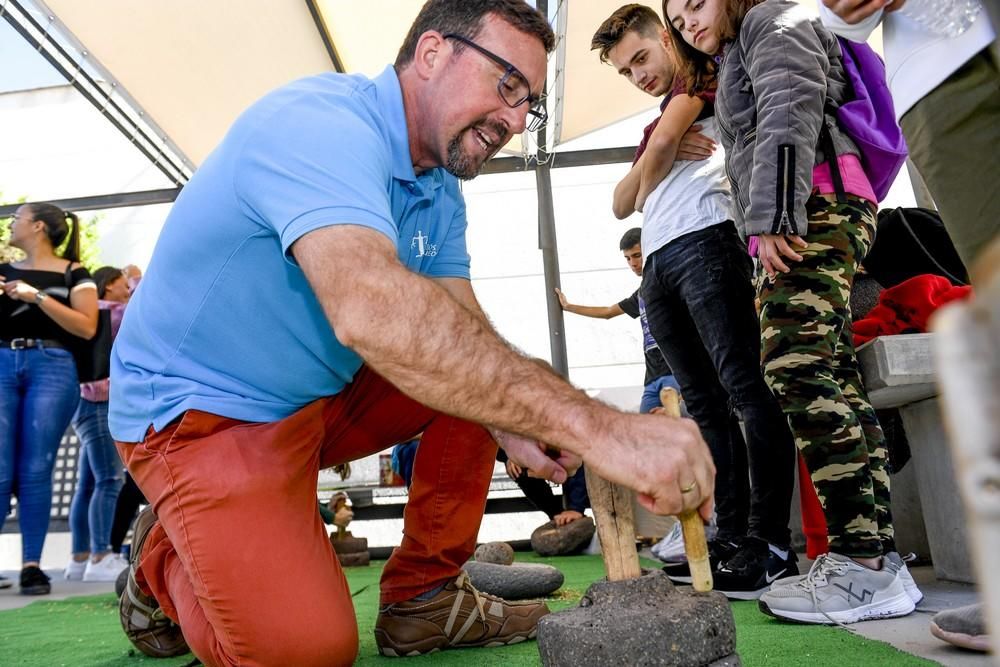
{"points": [[692, 526], [612, 506]]}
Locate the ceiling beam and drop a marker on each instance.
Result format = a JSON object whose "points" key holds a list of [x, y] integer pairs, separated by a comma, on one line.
{"points": [[324, 34], [143, 134], [585, 158], [100, 202]]}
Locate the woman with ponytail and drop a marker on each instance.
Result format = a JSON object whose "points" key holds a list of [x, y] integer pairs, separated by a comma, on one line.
{"points": [[47, 301]]}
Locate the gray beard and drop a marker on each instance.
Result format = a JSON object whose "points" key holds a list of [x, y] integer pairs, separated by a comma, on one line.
{"points": [[458, 163]]}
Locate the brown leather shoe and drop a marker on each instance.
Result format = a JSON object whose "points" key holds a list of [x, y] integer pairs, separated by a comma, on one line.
{"points": [[144, 623], [458, 616]]}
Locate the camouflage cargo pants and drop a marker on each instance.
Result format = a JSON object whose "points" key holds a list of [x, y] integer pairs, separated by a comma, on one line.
{"points": [[807, 354]]}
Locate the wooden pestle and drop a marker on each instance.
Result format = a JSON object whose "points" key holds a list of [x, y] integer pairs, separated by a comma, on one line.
{"points": [[612, 506], [692, 525]]}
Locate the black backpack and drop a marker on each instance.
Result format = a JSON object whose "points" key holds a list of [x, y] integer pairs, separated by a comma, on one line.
{"points": [[912, 242]]}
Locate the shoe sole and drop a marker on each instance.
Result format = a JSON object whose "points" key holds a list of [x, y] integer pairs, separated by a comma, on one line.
{"points": [[744, 595], [912, 591], [979, 643], [737, 594], [390, 652], [37, 590], [900, 605]]}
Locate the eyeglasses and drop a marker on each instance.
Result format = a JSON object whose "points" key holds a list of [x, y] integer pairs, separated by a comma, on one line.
{"points": [[513, 87]]}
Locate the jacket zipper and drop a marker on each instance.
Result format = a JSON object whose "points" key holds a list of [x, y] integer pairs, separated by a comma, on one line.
{"points": [[783, 222]]}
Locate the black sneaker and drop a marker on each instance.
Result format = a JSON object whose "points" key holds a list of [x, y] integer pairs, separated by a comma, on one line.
{"points": [[719, 551], [752, 570], [34, 581]]}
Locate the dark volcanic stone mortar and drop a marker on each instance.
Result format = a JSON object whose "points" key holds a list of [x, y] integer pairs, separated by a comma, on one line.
{"points": [[641, 622]]}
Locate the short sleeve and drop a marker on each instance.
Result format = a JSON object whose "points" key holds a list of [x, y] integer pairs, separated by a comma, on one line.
{"points": [[80, 276], [313, 164], [631, 305]]}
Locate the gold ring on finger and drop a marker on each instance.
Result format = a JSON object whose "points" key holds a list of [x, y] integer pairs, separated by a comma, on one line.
{"points": [[689, 488]]}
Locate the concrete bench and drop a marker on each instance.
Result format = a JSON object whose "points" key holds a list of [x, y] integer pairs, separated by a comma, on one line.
{"points": [[927, 508]]}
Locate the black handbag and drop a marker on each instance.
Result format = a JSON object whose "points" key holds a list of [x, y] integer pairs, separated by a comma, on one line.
{"points": [[93, 356]]}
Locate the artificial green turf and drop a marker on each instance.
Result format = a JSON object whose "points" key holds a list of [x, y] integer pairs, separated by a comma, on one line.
{"points": [[84, 631]]}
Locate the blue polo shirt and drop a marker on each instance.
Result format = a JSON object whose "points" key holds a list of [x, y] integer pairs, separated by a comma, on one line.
{"points": [[224, 320]]}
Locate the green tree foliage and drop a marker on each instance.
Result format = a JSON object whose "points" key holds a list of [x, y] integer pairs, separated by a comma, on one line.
{"points": [[90, 249]]}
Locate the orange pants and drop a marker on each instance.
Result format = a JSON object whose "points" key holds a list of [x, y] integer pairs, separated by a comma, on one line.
{"points": [[240, 557]]}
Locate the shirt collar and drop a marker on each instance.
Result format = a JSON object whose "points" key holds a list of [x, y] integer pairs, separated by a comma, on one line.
{"points": [[390, 101]]}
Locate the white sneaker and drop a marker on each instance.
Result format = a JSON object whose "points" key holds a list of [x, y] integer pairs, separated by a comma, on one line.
{"points": [[838, 590], [107, 569], [74, 569], [893, 561], [671, 548]]}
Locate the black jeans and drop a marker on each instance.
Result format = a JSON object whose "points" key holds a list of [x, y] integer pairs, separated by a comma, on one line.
{"points": [[700, 307], [126, 508]]}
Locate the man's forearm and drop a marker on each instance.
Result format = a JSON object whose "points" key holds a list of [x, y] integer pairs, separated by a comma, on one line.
{"points": [[623, 201], [435, 349]]}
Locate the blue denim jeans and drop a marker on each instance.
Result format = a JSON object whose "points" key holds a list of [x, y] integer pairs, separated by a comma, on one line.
{"points": [[651, 394], [99, 479], [38, 394], [700, 307]]}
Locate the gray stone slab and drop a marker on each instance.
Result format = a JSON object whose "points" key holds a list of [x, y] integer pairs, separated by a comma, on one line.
{"points": [[908, 512], [520, 581], [943, 511], [898, 369]]}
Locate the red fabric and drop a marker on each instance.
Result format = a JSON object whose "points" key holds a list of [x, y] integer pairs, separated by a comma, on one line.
{"points": [[906, 307], [813, 518], [240, 557]]}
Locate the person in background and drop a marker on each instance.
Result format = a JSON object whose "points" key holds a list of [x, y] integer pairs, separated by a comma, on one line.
{"points": [[699, 300], [99, 470], [562, 511], [658, 373], [130, 498], [946, 91], [48, 302], [779, 73]]}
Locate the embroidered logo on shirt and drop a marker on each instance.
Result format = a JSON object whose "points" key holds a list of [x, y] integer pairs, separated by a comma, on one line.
{"points": [[424, 249]]}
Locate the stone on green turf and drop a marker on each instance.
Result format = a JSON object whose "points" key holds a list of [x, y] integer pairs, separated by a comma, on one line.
{"points": [[520, 581], [552, 540], [643, 622], [498, 553]]}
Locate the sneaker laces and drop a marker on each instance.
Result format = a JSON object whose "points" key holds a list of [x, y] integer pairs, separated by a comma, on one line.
{"points": [[465, 583], [818, 576], [744, 557]]}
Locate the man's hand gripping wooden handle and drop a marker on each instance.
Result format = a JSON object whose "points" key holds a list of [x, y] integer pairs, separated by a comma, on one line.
{"points": [[692, 525]]}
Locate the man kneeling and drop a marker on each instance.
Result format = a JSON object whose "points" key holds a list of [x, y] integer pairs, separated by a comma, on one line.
{"points": [[308, 303]]}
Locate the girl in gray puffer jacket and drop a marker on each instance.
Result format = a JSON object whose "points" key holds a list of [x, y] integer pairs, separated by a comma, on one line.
{"points": [[780, 77]]}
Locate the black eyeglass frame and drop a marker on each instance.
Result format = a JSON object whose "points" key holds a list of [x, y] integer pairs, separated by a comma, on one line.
{"points": [[538, 115]]}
